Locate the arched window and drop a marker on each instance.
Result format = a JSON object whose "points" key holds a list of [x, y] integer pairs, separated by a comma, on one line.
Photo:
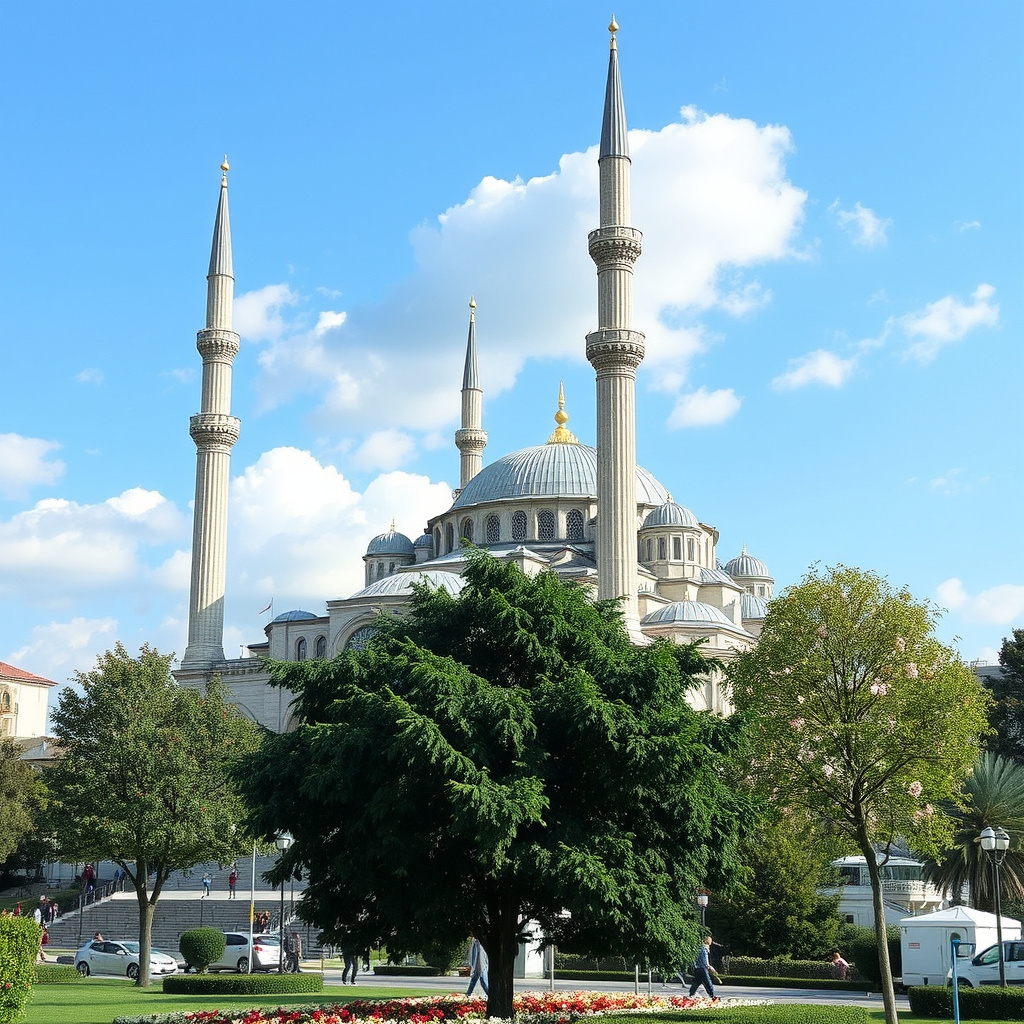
{"points": [[650, 550], [545, 524], [391, 568], [677, 548], [5, 702], [466, 529], [574, 524], [760, 590], [689, 548], [519, 525], [360, 638], [492, 529], [449, 538], [300, 649], [437, 540], [662, 549], [321, 647]]}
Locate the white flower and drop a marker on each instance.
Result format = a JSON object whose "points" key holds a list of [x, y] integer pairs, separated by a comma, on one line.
{"points": [[911, 670], [828, 771], [822, 631], [901, 644], [915, 789], [799, 698], [879, 689]]}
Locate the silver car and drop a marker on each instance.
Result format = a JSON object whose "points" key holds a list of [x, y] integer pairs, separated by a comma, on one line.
{"points": [[266, 953], [122, 959]]}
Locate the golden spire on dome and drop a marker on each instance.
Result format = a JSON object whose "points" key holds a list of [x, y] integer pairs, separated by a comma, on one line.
{"points": [[224, 168], [472, 307], [613, 27], [561, 434]]}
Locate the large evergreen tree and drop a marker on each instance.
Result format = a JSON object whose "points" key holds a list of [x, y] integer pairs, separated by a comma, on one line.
{"points": [[143, 780], [497, 758], [861, 719], [1007, 715]]}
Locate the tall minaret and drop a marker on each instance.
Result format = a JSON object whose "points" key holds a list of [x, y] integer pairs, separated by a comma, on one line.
{"points": [[214, 431], [471, 440], [615, 350]]}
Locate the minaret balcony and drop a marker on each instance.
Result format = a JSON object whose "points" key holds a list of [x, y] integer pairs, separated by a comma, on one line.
{"points": [[615, 348], [214, 430], [615, 244], [217, 345]]}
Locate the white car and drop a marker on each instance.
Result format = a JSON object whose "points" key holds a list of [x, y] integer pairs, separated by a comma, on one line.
{"points": [[266, 953], [984, 968], [121, 958]]}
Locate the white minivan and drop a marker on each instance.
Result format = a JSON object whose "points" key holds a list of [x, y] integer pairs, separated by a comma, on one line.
{"points": [[984, 968]]}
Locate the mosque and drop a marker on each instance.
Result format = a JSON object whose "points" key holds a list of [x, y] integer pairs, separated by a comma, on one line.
{"points": [[591, 515]]}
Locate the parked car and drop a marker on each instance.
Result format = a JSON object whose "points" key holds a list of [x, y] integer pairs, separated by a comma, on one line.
{"points": [[102, 956], [266, 952], [984, 968]]}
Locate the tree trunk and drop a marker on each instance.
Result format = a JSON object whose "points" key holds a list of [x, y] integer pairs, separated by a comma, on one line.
{"points": [[881, 939], [502, 945], [145, 931]]}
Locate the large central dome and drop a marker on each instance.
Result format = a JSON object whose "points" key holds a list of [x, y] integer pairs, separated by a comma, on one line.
{"points": [[549, 471]]}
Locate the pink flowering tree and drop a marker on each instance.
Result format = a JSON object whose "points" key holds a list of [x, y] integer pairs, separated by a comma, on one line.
{"points": [[862, 720]]}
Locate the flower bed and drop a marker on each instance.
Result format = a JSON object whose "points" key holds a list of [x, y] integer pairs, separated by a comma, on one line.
{"points": [[530, 1008]]}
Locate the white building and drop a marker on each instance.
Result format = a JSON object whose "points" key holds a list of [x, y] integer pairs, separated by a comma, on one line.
{"points": [[904, 891], [591, 514], [23, 702]]}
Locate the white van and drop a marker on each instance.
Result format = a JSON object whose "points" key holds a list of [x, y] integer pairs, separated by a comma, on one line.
{"points": [[984, 968]]}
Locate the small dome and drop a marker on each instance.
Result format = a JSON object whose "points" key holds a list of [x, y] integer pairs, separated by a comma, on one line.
{"points": [[424, 540], [746, 565], [692, 613], [390, 543], [295, 615], [670, 514], [401, 583], [716, 576], [752, 607]]}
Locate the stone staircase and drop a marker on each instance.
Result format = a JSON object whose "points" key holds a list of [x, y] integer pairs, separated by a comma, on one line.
{"points": [[182, 906]]}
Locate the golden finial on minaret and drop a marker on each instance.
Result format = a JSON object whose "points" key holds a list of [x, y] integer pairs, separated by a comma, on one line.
{"points": [[561, 434], [224, 168], [472, 307], [613, 27]]}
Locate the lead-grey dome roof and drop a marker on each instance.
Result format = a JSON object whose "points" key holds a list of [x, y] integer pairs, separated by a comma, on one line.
{"points": [[402, 583], [688, 613], [424, 540], [716, 576], [390, 543], [670, 514], [746, 565], [295, 615], [549, 471], [752, 607]]}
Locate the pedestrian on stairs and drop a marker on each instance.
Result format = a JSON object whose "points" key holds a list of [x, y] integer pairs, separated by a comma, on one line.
{"points": [[232, 882], [207, 882]]}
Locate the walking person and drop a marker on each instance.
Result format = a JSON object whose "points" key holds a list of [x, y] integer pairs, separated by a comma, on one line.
{"points": [[351, 956], [702, 970], [295, 953], [207, 882], [232, 882], [477, 966]]}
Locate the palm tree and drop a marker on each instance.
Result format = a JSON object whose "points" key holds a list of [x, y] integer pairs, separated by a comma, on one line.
{"points": [[993, 795]]}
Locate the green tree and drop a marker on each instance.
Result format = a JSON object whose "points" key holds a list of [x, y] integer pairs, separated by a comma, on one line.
{"points": [[497, 758], [1007, 715], [144, 780], [777, 909], [22, 796], [993, 794], [861, 718]]}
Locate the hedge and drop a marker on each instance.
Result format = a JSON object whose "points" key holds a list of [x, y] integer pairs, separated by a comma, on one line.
{"points": [[810, 983], [988, 1003], [864, 954], [778, 967], [57, 974], [407, 972], [244, 984], [200, 947], [777, 1013], [19, 947]]}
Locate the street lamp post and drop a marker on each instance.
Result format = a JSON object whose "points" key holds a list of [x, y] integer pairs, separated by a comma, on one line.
{"points": [[996, 842], [702, 902], [283, 842]]}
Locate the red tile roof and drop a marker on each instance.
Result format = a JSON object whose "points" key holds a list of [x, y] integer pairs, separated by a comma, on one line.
{"points": [[21, 676]]}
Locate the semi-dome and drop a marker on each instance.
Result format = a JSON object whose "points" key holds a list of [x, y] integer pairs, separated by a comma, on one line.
{"points": [[746, 565], [692, 613], [295, 615], [549, 471], [716, 576], [424, 540], [752, 607], [670, 514], [390, 543], [401, 583]]}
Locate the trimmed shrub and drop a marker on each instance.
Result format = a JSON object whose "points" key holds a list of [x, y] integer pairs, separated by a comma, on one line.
{"points": [[574, 962], [244, 984], [778, 967], [818, 984], [57, 974], [410, 971], [19, 947], [445, 956], [988, 1003], [778, 1013], [864, 954], [201, 947]]}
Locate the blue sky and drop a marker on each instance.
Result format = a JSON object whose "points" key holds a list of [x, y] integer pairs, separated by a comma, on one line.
{"points": [[831, 199]]}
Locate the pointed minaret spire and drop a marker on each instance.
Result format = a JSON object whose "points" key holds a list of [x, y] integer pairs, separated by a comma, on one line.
{"points": [[471, 439], [615, 351], [214, 431]]}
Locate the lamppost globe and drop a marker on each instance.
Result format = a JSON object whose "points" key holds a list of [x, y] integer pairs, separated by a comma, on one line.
{"points": [[283, 841], [702, 902], [995, 842]]}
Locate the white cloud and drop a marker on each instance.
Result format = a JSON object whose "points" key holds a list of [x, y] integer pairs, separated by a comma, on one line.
{"points": [[969, 225], [299, 529], [90, 375], [951, 482], [819, 367], [25, 463], [59, 549], [948, 320], [999, 605], [703, 408], [710, 194], [863, 225], [384, 449], [59, 649], [182, 376], [987, 656]]}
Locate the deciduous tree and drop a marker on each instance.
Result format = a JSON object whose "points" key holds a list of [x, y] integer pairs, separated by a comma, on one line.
{"points": [[502, 757], [144, 780], [861, 719], [22, 795]]}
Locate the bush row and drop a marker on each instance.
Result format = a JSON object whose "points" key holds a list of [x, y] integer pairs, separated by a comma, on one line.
{"points": [[576, 962], [778, 967], [812, 983], [244, 984], [57, 974], [989, 1003], [410, 971], [19, 947], [778, 1013]]}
